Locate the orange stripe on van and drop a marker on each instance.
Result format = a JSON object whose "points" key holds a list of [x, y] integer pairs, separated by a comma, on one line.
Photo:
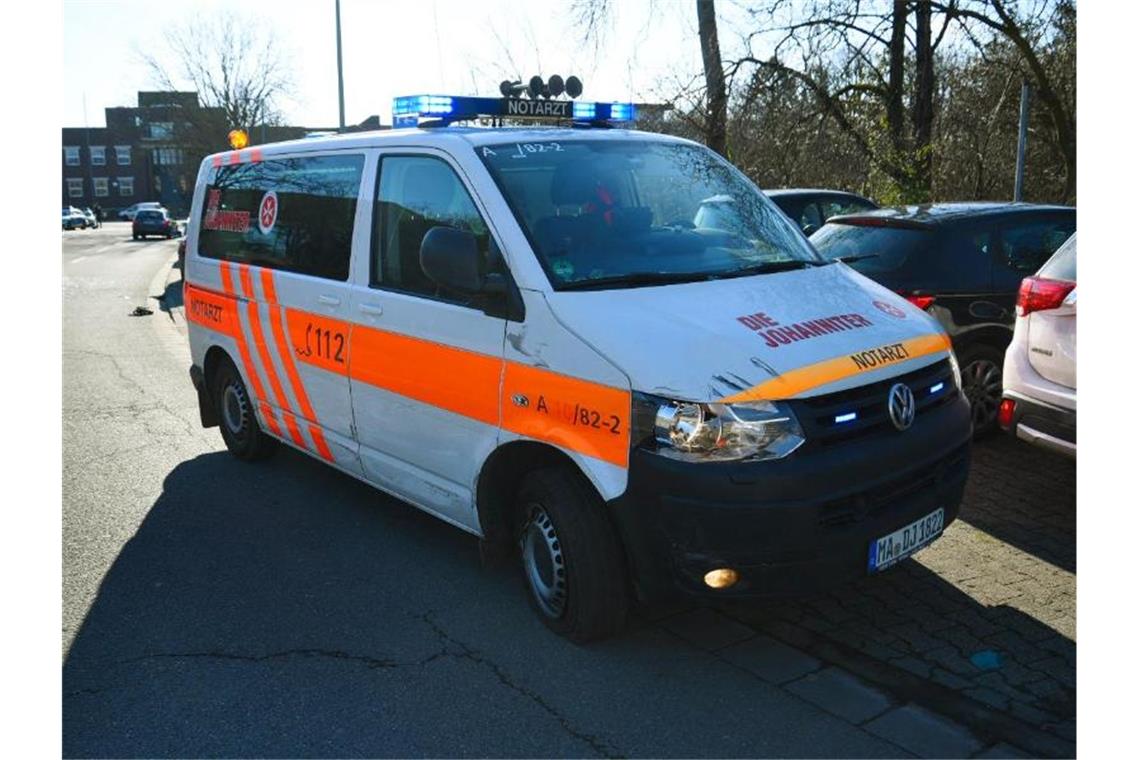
{"points": [[285, 351], [579, 415], [586, 417], [319, 340], [254, 316], [212, 311], [812, 376], [450, 378], [246, 359]]}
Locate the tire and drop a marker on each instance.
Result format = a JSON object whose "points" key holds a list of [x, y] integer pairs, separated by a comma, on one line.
{"points": [[134, 236], [982, 384], [571, 557], [236, 418]]}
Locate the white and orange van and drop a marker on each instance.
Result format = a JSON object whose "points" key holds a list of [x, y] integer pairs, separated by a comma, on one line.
{"points": [[601, 349]]}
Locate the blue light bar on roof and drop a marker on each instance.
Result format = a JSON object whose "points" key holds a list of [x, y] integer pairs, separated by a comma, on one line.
{"points": [[409, 109]]}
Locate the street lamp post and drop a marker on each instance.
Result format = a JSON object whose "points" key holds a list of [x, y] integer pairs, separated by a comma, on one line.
{"points": [[339, 66]]}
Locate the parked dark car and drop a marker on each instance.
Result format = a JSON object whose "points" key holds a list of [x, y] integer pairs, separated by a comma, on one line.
{"points": [[153, 222], [961, 262], [811, 208]]}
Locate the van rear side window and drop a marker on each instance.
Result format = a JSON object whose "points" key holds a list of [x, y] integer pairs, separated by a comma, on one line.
{"points": [[293, 214]]}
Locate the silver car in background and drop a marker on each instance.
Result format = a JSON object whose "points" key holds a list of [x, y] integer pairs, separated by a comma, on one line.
{"points": [[1039, 392]]}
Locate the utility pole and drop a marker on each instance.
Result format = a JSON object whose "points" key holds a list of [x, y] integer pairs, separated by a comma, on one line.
{"points": [[89, 182], [1022, 133], [339, 66]]}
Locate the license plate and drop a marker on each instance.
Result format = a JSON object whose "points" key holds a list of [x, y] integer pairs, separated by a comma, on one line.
{"points": [[904, 542]]}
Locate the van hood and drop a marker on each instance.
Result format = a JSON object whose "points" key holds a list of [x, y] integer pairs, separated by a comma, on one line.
{"points": [[783, 335]]}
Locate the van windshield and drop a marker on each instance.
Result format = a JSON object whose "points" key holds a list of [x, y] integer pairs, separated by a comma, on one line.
{"points": [[625, 213]]}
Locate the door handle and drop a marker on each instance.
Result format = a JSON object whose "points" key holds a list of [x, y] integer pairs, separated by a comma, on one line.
{"points": [[372, 308], [328, 300]]}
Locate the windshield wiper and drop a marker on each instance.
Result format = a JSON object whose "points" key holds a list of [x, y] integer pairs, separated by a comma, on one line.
{"points": [[633, 279], [856, 257], [769, 267]]}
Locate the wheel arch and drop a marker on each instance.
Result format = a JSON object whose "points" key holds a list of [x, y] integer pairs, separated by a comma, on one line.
{"points": [[499, 480]]}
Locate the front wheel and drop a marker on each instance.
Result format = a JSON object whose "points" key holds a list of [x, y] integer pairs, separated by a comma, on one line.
{"points": [[571, 556], [243, 436], [981, 383]]}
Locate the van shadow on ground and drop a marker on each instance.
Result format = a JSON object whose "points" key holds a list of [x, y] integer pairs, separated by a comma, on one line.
{"points": [[286, 609]]}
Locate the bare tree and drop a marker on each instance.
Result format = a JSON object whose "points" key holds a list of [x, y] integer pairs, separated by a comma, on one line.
{"points": [[592, 17], [236, 66], [1027, 32], [716, 95]]}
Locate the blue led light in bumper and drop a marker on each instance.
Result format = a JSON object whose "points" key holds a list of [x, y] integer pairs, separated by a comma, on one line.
{"points": [[845, 417], [936, 387]]}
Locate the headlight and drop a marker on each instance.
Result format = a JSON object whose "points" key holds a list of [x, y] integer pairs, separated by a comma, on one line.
{"points": [[724, 432], [956, 370]]}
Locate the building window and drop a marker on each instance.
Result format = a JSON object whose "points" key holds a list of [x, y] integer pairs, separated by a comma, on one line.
{"points": [[126, 185], [98, 155], [167, 157], [74, 187], [71, 155], [123, 155], [161, 130], [100, 187]]}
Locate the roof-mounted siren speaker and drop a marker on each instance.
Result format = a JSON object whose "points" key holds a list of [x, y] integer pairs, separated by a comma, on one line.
{"points": [[555, 85], [511, 89], [536, 86], [573, 86]]}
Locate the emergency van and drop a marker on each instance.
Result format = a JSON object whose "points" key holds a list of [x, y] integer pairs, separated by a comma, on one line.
{"points": [[602, 350]]}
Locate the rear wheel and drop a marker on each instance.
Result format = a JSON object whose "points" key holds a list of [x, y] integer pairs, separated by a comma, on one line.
{"points": [[243, 436], [571, 557], [981, 383]]}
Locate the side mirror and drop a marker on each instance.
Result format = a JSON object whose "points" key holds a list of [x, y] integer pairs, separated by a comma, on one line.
{"points": [[450, 258]]}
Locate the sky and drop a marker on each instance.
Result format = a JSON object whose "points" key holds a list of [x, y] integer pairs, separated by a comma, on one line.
{"points": [[390, 48]]}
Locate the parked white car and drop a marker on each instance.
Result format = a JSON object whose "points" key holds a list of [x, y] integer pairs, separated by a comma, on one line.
{"points": [[1039, 395], [128, 214]]}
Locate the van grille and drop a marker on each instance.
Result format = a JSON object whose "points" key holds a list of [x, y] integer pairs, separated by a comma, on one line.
{"points": [[817, 415]]}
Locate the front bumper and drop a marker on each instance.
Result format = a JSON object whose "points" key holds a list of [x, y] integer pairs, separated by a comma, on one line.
{"points": [[789, 526]]}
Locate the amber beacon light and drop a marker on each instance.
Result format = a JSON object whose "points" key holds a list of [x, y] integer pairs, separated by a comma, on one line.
{"points": [[238, 139]]}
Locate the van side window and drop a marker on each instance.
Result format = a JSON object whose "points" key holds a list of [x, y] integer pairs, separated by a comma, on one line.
{"points": [[293, 214], [414, 194]]}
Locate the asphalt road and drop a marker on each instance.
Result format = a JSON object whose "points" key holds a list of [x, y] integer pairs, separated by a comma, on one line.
{"points": [[213, 607]]}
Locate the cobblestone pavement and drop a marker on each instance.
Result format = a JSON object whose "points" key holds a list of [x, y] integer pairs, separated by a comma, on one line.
{"points": [[980, 627]]}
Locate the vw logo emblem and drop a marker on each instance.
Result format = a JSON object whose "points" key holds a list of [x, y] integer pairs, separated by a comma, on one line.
{"points": [[900, 406]]}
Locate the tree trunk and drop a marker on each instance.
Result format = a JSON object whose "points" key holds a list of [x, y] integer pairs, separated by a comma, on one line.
{"points": [[717, 117], [897, 57], [922, 109]]}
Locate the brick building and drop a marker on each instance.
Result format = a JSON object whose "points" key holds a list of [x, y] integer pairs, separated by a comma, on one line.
{"points": [[141, 155], [151, 151]]}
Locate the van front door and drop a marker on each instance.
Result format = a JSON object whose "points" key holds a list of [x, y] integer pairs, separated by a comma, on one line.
{"points": [[426, 364]]}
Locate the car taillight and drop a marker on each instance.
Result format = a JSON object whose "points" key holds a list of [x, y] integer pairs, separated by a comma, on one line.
{"points": [[1005, 412], [920, 301], [1039, 293]]}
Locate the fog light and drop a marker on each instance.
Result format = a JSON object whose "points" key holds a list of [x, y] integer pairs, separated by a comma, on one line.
{"points": [[722, 577], [1005, 412]]}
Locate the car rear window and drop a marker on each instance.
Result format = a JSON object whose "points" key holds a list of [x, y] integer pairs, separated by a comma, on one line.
{"points": [[1063, 264], [150, 216], [888, 248]]}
